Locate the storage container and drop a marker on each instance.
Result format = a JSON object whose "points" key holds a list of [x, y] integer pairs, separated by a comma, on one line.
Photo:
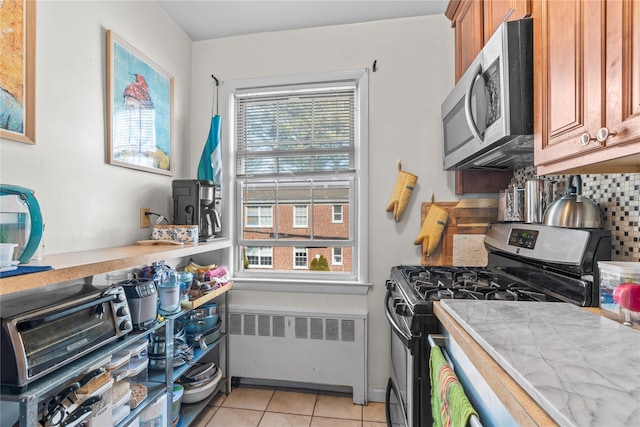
{"points": [[138, 348], [118, 368], [155, 414], [101, 411], [138, 380], [620, 291]]}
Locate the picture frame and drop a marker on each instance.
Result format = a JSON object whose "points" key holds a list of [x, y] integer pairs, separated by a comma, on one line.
{"points": [[18, 71], [139, 108]]}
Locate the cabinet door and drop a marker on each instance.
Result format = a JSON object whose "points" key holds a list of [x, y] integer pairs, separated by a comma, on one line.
{"points": [[466, 18], [623, 71], [498, 11], [569, 87]]}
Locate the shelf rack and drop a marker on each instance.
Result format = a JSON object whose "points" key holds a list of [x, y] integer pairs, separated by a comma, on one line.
{"points": [[85, 264]]}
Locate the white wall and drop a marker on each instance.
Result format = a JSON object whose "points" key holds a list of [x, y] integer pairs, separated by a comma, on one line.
{"points": [[414, 74], [87, 203]]}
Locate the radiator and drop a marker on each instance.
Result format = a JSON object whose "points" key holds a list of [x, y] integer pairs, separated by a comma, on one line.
{"points": [[314, 348]]}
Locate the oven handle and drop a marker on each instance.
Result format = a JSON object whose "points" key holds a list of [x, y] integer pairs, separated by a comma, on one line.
{"points": [[80, 307], [391, 388], [406, 339]]}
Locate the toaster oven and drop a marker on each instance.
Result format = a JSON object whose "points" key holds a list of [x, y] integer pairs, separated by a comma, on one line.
{"points": [[42, 333]]}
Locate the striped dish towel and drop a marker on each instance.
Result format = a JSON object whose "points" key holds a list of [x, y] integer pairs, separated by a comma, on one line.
{"points": [[449, 404]]}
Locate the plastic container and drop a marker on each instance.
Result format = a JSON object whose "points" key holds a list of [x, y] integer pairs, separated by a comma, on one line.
{"points": [[178, 391], [138, 380], [137, 349], [120, 413], [101, 411], [121, 393], [620, 291], [118, 368], [155, 414]]}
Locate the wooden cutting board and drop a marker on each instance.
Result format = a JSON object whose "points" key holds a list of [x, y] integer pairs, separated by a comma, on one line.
{"points": [[443, 255], [474, 215]]}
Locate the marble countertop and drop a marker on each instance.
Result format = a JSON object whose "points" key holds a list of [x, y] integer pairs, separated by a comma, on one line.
{"points": [[581, 368]]}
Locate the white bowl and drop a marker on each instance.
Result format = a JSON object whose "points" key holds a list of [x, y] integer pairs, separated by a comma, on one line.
{"points": [[6, 253], [200, 393]]}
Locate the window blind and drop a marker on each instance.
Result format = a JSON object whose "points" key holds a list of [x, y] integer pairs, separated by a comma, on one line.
{"points": [[295, 133]]}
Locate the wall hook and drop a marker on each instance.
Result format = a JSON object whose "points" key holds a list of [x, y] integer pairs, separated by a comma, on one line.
{"points": [[374, 67], [214, 78]]}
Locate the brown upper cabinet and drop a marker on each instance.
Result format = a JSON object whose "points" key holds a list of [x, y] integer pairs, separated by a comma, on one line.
{"points": [[586, 86], [474, 22]]}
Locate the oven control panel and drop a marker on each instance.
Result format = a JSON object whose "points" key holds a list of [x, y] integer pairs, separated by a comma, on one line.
{"points": [[523, 238]]}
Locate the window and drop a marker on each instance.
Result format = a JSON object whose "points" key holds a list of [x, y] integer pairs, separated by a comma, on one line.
{"points": [[337, 214], [299, 153], [336, 258], [300, 257], [259, 256], [300, 216], [258, 216]]}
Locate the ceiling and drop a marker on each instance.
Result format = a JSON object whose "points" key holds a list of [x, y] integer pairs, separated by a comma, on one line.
{"points": [[211, 19]]}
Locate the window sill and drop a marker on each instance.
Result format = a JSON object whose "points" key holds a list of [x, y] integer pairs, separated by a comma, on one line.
{"points": [[308, 286]]}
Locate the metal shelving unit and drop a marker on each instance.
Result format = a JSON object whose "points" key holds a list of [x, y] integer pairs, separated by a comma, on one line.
{"points": [[79, 265], [47, 386]]}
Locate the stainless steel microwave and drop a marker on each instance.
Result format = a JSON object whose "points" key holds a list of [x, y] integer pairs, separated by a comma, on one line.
{"points": [[487, 118]]}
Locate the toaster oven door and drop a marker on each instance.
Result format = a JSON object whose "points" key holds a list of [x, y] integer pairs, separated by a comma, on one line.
{"points": [[44, 342]]}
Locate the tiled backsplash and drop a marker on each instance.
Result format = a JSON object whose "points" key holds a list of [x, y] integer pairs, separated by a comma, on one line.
{"points": [[618, 196]]}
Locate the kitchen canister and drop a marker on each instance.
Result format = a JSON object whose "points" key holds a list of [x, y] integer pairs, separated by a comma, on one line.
{"points": [[185, 233], [538, 196], [162, 232]]}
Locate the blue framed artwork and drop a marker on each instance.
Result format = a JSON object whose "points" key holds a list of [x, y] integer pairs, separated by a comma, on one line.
{"points": [[140, 110]]}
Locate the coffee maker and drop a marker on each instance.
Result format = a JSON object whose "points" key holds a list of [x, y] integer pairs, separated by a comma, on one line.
{"points": [[197, 202]]}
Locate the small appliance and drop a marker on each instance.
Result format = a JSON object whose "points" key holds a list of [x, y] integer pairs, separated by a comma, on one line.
{"points": [[196, 202], [20, 221], [42, 334], [142, 298], [487, 118]]}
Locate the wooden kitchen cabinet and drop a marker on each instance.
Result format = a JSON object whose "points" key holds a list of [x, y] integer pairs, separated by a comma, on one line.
{"points": [[474, 22], [586, 83]]}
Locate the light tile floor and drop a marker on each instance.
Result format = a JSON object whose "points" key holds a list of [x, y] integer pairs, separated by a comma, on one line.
{"points": [[279, 407]]}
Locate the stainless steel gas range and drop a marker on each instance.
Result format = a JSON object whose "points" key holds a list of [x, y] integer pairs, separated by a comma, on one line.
{"points": [[526, 262]]}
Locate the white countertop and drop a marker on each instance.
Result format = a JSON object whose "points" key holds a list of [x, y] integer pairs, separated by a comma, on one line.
{"points": [[583, 369]]}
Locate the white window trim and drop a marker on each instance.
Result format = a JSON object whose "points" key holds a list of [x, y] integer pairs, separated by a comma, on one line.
{"points": [[333, 216], [340, 284], [260, 266], [306, 207], [333, 256], [300, 267], [259, 217]]}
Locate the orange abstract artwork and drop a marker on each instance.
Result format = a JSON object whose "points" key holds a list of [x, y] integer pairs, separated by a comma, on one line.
{"points": [[15, 75]]}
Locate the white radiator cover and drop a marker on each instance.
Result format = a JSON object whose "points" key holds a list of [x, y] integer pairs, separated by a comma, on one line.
{"points": [[323, 348]]}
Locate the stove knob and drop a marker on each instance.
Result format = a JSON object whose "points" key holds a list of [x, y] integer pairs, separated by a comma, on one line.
{"points": [[402, 309], [122, 311], [120, 297], [126, 326], [391, 285]]}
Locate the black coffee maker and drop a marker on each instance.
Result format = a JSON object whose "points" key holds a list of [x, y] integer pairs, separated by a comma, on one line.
{"points": [[194, 203]]}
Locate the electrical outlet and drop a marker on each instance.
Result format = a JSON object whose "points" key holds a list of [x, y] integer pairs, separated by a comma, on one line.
{"points": [[145, 222]]}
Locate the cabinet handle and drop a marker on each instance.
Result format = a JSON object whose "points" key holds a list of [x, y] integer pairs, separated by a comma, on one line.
{"points": [[585, 139], [604, 134]]}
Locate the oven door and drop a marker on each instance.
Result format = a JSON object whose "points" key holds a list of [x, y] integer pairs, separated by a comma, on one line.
{"points": [[401, 408]]}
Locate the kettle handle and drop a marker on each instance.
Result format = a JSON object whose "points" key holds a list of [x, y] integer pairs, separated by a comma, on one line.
{"points": [[35, 216], [578, 185]]}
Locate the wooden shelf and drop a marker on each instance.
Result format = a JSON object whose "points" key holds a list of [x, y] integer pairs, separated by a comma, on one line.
{"points": [[78, 265], [188, 305]]}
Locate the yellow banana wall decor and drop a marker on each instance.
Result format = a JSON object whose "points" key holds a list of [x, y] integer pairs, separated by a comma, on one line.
{"points": [[401, 193]]}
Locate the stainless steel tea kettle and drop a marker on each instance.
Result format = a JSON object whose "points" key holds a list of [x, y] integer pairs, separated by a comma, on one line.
{"points": [[573, 210]]}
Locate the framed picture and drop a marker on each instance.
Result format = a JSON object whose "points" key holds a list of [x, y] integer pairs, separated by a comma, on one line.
{"points": [[18, 70], [139, 108]]}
